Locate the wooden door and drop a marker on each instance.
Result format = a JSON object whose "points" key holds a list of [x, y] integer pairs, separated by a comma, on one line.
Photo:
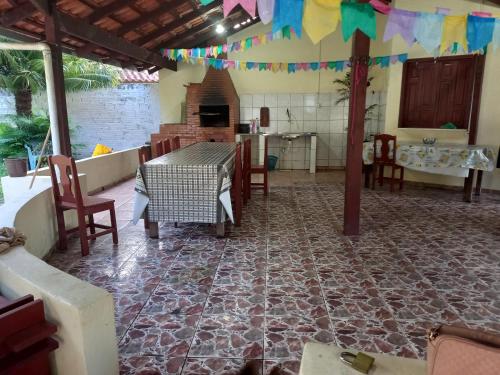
{"points": [[437, 91]]}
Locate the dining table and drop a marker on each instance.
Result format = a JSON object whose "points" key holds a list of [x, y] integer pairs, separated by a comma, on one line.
{"points": [[459, 160], [188, 185]]}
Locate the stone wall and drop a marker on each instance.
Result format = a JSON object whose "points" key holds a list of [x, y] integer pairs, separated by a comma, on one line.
{"points": [[121, 118]]}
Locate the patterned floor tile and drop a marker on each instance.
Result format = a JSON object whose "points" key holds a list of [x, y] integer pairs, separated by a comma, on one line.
{"points": [[217, 366], [373, 336], [276, 281], [359, 303], [160, 334], [418, 304], [286, 336], [229, 336], [280, 302]]}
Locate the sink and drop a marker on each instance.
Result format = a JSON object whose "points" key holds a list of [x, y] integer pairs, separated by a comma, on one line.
{"points": [[291, 136]]}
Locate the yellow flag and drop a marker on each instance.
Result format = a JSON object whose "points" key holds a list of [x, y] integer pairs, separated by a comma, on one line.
{"points": [[454, 30], [321, 18]]}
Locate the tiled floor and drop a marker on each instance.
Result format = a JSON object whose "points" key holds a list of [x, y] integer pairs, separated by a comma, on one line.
{"points": [[191, 303]]}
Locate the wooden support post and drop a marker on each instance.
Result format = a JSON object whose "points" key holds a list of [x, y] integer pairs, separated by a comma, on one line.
{"points": [[355, 134], [54, 40]]}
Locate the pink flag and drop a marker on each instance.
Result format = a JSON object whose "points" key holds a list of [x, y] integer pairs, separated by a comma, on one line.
{"points": [[266, 10], [248, 5], [380, 6], [482, 14], [324, 65]]}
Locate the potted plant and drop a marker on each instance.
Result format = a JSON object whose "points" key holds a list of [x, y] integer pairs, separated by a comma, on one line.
{"points": [[16, 166], [15, 134]]}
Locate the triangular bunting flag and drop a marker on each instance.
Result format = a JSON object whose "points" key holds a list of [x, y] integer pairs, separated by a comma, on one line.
{"points": [[380, 6], [479, 32], [454, 30], [288, 13], [321, 18], [266, 10], [428, 31], [496, 35], [401, 22], [358, 16], [248, 5]]}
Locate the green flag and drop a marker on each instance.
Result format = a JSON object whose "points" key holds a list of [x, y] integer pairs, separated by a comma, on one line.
{"points": [[358, 16]]}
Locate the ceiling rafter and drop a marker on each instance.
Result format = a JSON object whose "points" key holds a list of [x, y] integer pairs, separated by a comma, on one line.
{"points": [[17, 14], [148, 16], [169, 27], [79, 29], [108, 9]]}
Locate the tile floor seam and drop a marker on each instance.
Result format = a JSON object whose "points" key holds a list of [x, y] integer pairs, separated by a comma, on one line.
{"points": [[187, 356], [323, 296], [146, 301]]}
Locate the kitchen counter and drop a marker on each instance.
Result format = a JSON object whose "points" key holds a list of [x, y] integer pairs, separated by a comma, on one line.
{"points": [[287, 136]]}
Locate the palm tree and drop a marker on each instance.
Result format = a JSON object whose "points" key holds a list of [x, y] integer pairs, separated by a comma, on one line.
{"points": [[22, 74], [344, 92]]}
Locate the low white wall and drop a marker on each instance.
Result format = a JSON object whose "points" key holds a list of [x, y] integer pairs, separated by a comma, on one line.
{"points": [[104, 170], [83, 313]]}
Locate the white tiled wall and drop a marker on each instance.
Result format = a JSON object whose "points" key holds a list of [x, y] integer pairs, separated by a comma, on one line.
{"points": [[309, 113]]}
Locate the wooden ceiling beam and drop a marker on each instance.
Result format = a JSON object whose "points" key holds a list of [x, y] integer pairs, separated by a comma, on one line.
{"points": [[17, 14], [169, 27], [106, 10], [93, 34], [149, 16]]}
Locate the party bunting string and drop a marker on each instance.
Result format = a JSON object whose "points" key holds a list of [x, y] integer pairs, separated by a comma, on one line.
{"points": [[436, 32], [338, 65], [238, 46]]}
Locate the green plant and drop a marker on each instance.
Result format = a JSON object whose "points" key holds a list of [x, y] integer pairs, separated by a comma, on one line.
{"points": [[20, 131], [344, 92], [22, 74]]}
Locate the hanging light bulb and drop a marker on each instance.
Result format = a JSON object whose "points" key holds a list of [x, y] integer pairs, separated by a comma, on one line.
{"points": [[219, 29]]}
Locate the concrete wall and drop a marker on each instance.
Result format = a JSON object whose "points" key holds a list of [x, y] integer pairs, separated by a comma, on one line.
{"points": [[83, 313], [120, 118], [488, 133]]}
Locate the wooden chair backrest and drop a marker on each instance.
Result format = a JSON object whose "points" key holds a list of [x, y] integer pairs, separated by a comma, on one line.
{"points": [[144, 154], [176, 143], [68, 175], [387, 154], [247, 154], [159, 148], [166, 146], [266, 146]]}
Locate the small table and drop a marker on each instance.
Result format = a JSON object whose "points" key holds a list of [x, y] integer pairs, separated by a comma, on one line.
{"points": [[189, 185], [447, 159]]}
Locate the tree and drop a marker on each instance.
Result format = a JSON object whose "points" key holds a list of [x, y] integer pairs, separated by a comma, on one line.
{"points": [[22, 74]]}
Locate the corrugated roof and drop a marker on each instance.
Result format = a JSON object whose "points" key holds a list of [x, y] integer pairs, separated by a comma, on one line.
{"points": [[131, 76]]}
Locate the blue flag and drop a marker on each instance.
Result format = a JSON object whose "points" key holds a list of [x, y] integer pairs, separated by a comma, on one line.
{"points": [[288, 13]]}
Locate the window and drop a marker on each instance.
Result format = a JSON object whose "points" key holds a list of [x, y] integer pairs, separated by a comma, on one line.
{"points": [[437, 91]]}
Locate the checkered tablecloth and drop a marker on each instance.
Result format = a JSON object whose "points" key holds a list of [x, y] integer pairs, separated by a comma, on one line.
{"points": [[187, 185]]}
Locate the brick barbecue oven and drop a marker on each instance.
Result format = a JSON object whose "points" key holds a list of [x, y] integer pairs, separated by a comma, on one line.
{"points": [[213, 112]]}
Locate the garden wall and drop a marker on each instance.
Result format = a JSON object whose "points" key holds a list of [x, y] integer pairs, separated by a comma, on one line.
{"points": [[121, 118]]}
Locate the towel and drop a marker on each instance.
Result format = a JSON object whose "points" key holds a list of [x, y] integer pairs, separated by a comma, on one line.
{"points": [[10, 237]]}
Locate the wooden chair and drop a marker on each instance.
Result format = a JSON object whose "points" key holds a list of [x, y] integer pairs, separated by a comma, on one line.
{"points": [[144, 154], [247, 173], [159, 149], [236, 187], [176, 143], [386, 158], [83, 204], [166, 146], [261, 169]]}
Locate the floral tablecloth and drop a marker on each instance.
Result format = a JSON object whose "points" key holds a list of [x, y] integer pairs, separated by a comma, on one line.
{"points": [[448, 159]]}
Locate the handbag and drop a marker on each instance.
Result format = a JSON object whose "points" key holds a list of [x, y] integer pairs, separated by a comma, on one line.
{"points": [[462, 351]]}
